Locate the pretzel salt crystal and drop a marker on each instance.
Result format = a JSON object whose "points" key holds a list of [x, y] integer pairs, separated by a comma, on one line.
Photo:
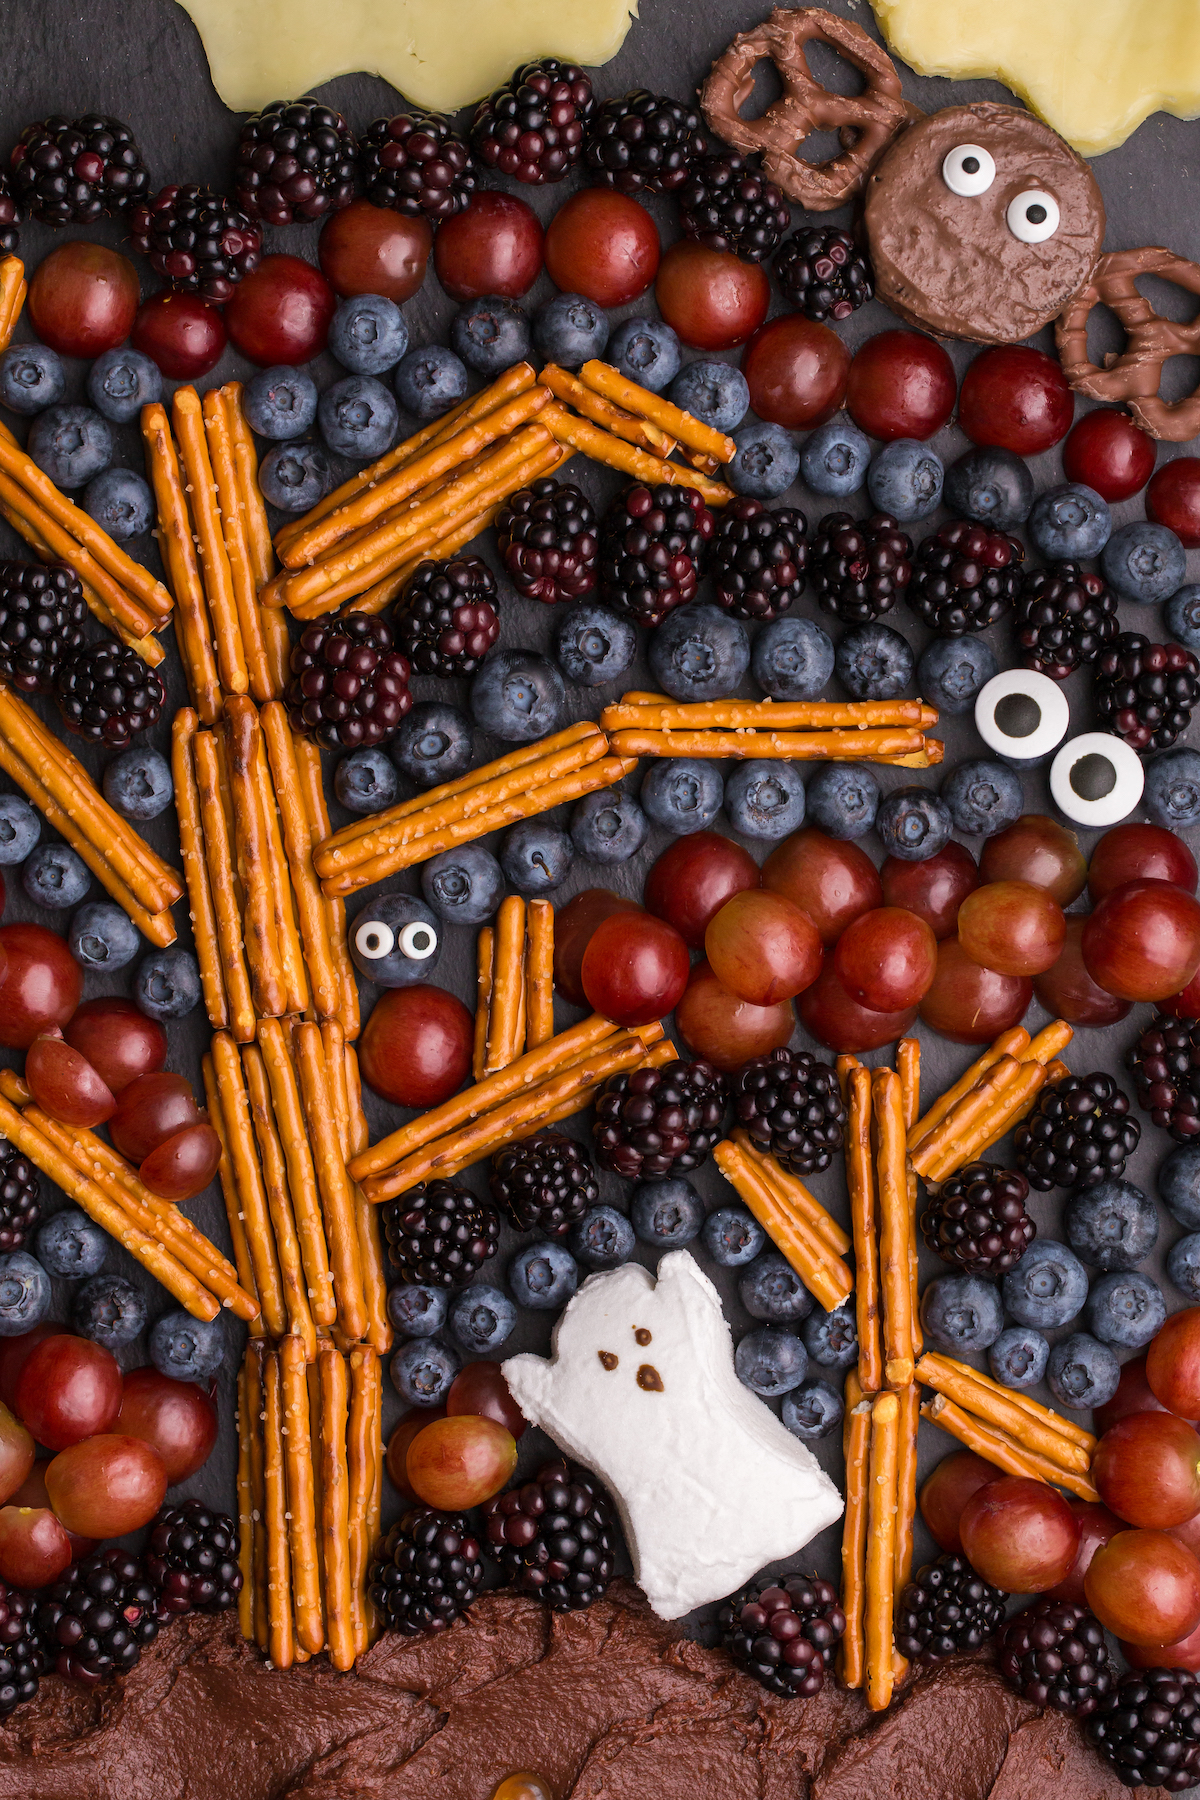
{"points": [[273, 1165]]}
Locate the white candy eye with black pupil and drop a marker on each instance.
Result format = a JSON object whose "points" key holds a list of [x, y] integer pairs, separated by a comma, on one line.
{"points": [[1032, 216], [417, 941], [968, 169], [374, 939]]}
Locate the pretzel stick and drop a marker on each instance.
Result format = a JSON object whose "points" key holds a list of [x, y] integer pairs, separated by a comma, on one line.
{"points": [[267, 980], [995, 1446], [822, 1273], [845, 1066], [1048, 1042], [792, 1192], [602, 378], [245, 1515], [230, 1195], [508, 983], [214, 560], [375, 1287], [273, 1164], [655, 712], [297, 844], [1040, 1435], [958, 1124], [287, 935], [280, 1641], [335, 949], [994, 1121], [233, 536], [881, 1550], [272, 626], [13, 289], [485, 953], [302, 1178], [892, 1190], [192, 624], [908, 1067], [1067, 1428], [195, 868], [221, 886], [793, 746], [856, 1447], [612, 451], [63, 544], [1009, 1043], [252, 1368], [335, 1509], [539, 974], [362, 1451], [333, 1185], [860, 1181], [256, 1217], [301, 1498], [906, 1482], [146, 644], [374, 1500], [600, 411]]}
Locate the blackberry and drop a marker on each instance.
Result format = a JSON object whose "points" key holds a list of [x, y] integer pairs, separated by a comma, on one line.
{"points": [[546, 535], [10, 212], [1148, 1727], [426, 1572], [1054, 1653], [965, 577], [42, 613], [643, 143], [823, 274], [295, 161], [107, 694], [757, 559], [448, 617], [791, 1105], [98, 1617], [652, 548], [416, 163], [544, 1183], [71, 171], [859, 567], [784, 1633], [730, 206], [554, 1536], [1165, 1064], [944, 1608], [20, 1653], [192, 1559], [20, 1198], [532, 127], [1145, 692], [1064, 618], [977, 1219], [1079, 1133], [651, 1123], [440, 1234], [199, 241], [349, 686]]}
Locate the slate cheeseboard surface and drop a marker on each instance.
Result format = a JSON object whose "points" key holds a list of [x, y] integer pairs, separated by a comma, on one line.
{"points": [[143, 60]]}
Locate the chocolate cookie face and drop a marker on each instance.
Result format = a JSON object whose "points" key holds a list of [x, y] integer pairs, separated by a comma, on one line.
{"points": [[982, 223]]}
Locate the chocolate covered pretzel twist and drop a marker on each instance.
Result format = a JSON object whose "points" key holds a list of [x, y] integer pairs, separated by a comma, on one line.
{"points": [[1134, 375]]}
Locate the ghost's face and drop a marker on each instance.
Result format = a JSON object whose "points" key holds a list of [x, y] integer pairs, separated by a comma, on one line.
{"points": [[982, 223]]}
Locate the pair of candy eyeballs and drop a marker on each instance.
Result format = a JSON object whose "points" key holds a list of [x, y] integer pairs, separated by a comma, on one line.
{"points": [[1095, 778], [1032, 217], [395, 940], [375, 939]]}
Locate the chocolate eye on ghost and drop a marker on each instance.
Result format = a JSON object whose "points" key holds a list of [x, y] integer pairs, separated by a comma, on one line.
{"points": [[416, 940], [968, 170], [1032, 216], [374, 939]]}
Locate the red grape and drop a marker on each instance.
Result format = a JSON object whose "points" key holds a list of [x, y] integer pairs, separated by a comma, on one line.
{"points": [[1139, 853], [828, 1013], [413, 1421], [1012, 927], [1173, 1363], [1106, 451], [1096, 1526], [797, 370], [762, 948], [415, 1049], [17, 1452], [1143, 940], [933, 889], [1186, 1003], [479, 1387], [65, 1085], [726, 1031], [1147, 1469], [16, 1351], [494, 246], [1133, 1395], [693, 879], [1173, 499], [177, 1417], [40, 986], [833, 882], [603, 245], [1016, 399], [1067, 990], [1144, 1586], [68, 1389], [183, 1164], [634, 969], [34, 1546], [969, 1004], [281, 312], [1019, 1534], [460, 1462], [150, 1110], [886, 958], [946, 1491], [119, 1041], [1184, 1653], [573, 928], [711, 299], [365, 249], [184, 335], [902, 385], [32, 1492], [107, 1485], [82, 299], [1038, 850]]}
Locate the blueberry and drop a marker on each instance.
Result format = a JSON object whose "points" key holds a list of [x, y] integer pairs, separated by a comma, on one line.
{"points": [[961, 1313], [294, 477], [951, 672], [429, 382], [812, 1410], [138, 784], [991, 487], [608, 827], [770, 1362], [31, 378], [1069, 522], [570, 330], [714, 392], [518, 696], [842, 799], [543, 1276], [682, 793], [367, 334], [53, 876], [1112, 1225], [1172, 794], [645, 351], [102, 936], [463, 886], [792, 659], [765, 798], [166, 984], [434, 744], [593, 645], [1082, 1373], [913, 824], [733, 1237], [1047, 1287], [108, 1310], [70, 444], [1126, 1308], [280, 402], [20, 829], [1178, 1182], [699, 653], [121, 503], [120, 382], [187, 1349], [1181, 617], [766, 464], [1018, 1357], [771, 1289], [536, 857], [366, 781], [358, 418], [481, 1318], [24, 1293], [422, 1371], [602, 1239], [417, 1310], [71, 1245], [984, 797], [490, 334], [666, 1213], [395, 940], [873, 662], [905, 480], [834, 459], [1144, 563], [831, 1338], [1183, 1265]]}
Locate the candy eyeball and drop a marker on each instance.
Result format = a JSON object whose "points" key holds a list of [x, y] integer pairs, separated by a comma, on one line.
{"points": [[417, 941], [1033, 216], [395, 940], [968, 170], [374, 940]]}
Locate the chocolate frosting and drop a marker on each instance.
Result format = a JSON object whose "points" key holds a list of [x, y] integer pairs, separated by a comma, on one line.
{"points": [[607, 1704], [948, 262]]}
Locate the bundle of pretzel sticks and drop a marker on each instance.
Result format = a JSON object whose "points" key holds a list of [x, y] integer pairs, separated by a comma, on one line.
{"points": [[794, 1220], [514, 1007], [879, 731], [203, 468], [1006, 1427], [251, 808], [998, 1090]]}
